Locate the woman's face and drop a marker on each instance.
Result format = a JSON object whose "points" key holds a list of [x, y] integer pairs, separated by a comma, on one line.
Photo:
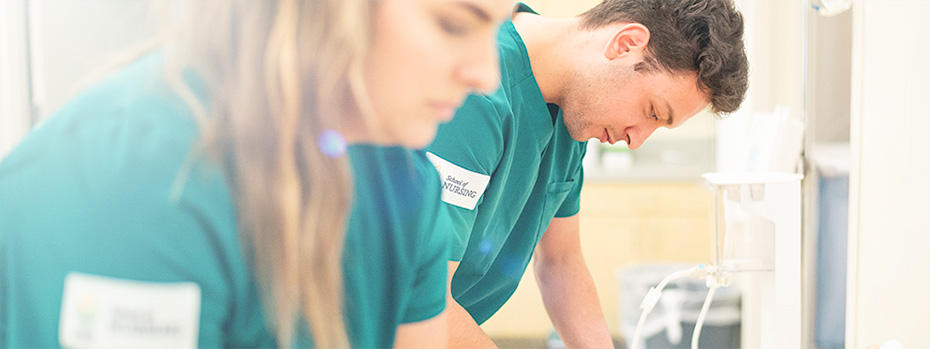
{"points": [[425, 56]]}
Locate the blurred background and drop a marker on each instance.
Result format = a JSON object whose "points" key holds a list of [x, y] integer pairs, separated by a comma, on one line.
{"points": [[842, 97]]}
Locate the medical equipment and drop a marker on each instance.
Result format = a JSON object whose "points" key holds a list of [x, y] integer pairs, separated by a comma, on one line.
{"points": [[713, 281], [757, 236], [830, 7]]}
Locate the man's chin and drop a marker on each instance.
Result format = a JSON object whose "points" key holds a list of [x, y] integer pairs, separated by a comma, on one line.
{"points": [[580, 136]]}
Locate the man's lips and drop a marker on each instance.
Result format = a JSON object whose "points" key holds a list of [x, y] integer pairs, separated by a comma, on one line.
{"points": [[606, 138]]}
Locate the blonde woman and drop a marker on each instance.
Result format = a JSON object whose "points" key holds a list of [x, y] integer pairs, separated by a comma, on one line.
{"points": [[247, 183]]}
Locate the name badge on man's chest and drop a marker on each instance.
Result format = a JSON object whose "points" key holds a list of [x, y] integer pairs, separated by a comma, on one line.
{"points": [[460, 187]]}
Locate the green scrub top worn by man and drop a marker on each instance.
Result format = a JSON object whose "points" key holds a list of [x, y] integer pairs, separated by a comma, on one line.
{"points": [[508, 167], [95, 250]]}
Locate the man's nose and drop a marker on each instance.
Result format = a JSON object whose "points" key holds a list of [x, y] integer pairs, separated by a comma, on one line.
{"points": [[639, 135]]}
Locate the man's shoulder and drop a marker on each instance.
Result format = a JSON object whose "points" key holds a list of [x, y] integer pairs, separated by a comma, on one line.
{"points": [[514, 58]]}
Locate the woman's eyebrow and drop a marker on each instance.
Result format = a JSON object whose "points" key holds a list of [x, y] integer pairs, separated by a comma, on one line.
{"points": [[475, 9]]}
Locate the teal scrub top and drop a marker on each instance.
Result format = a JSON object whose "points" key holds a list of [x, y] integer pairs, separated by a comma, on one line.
{"points": [[88, 192], [520, 146]]}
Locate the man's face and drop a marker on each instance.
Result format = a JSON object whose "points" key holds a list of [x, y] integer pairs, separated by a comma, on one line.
{"points": [[615, 103]]}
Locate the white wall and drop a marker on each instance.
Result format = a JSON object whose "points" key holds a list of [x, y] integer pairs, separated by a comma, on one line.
{"points": [[14, 90], [71, 40], [889, 227], [774, 37], [68, 41], [829, 73]]}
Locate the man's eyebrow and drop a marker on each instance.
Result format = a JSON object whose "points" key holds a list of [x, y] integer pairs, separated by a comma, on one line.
{"points": [[476, 10], [671, 113]]}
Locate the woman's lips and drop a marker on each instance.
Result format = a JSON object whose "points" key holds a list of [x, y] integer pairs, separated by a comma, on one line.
{"points": [[444, 110]]}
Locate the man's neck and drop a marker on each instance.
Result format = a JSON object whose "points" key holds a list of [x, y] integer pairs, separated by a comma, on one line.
{"points": [[552, 49]]}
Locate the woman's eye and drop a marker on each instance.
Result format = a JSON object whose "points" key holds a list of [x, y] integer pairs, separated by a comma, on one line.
{"points": [[653, 112], [453, 27]]}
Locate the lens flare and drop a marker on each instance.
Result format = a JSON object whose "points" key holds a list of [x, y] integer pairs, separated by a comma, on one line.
{"points": [[512, 267], [331, 143], [485, 246]]}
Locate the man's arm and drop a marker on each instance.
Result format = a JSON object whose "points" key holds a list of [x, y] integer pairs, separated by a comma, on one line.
{"points": [[429, 333], [567, 287], [463, 330]]}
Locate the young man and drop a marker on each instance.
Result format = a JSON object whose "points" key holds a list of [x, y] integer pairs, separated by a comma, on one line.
{"points": [[511, 161]]}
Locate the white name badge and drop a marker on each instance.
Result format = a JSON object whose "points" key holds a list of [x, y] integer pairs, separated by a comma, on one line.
{"points": [[102, 312], [460, 187]]}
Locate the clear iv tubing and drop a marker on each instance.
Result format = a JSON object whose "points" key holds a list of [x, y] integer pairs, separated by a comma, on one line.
{"points": [[652, 297]]}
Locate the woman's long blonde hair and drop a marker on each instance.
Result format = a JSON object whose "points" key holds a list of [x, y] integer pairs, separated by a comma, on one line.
{"points": [[278, 74]]}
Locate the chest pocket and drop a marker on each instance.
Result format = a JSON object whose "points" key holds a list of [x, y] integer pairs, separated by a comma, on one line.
{"points": [[555, 196]]}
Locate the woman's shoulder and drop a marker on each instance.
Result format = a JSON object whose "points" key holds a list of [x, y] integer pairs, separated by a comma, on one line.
{"points": [[397, 170], [131, 113], [394, 187], [123, 139]]}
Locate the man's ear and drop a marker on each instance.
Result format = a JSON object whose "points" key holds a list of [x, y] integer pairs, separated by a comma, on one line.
{"points": [[628, 39]]}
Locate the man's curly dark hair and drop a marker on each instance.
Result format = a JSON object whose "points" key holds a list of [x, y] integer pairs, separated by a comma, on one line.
{"points": [[704, 36]]}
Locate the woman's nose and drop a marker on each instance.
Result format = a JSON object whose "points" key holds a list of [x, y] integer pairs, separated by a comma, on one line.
{"points": [[481, 70]]}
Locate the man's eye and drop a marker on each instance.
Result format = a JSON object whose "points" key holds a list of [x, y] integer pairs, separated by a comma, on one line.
{"points": [[653, 112]]}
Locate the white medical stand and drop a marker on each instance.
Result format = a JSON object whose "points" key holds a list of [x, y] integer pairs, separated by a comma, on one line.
{"points": [[758, 240]]}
